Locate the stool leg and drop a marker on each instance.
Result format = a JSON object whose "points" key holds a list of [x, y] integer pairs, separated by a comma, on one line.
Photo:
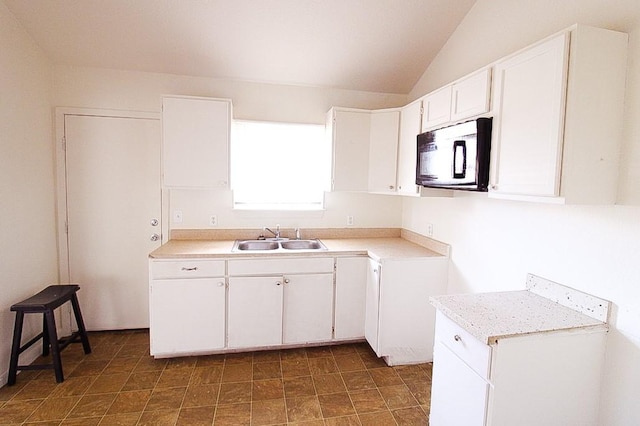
{"points": [[55, 349], [15, 348], [45, 336], [80, 323]]}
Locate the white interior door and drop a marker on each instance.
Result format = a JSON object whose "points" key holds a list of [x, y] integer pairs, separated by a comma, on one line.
{"points": [[113, 199]]}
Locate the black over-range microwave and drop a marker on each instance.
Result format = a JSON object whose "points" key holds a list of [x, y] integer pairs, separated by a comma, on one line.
{"points": [[455, 157]]}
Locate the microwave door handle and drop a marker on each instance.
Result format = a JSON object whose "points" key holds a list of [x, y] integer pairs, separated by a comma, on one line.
{"points": [[459, 173]]}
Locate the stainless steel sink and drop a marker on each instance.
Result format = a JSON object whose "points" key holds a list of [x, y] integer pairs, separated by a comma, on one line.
{"points": [[256, 245], [281, 245], [302, 245]]}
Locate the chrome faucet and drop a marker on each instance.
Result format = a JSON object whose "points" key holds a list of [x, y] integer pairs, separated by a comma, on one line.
{"points": [[276, 233], [297, 233]]}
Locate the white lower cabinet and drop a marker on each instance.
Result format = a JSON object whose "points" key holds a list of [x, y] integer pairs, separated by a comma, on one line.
{"points": [[255, 311], [351, 281], [308, 308], [187, 307], [400, 321], [526, 380]]}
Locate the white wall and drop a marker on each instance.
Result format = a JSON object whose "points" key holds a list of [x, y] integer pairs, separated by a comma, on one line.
{"points": [[124, 90], [28, 256], [595, 249]]}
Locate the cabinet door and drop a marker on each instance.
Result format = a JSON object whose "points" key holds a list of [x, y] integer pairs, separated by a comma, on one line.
{"points": [[255, 311], [410, 118], [195, 142], [308, 308], [383, 151], [458, 394], [372, 305], [437, 108], [351, 287], [528, 125], [349, 130], [470, 96], [187, 315]]}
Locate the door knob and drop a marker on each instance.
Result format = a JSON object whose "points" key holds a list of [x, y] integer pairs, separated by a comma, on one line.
{"points": [[154, 237], [154, 222]]}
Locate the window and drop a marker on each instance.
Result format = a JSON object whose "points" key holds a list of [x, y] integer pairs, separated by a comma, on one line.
{"points": [[279, 166]]}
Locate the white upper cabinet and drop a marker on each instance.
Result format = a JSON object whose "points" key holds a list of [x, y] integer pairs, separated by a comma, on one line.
{"points": [[349, 130], [410, 117], [383, 150], [462, 99], [437, 108], [558, 109], [470, 96], [195, 142]]}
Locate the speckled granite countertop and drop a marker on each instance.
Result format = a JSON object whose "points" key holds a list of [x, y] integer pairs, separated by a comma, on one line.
{"points": [[376, 248], [493, 316]]}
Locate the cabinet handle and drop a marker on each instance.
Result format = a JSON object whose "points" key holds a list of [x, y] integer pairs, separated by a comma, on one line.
{"points": [[286, 280], [457, 338], [278, 283], [390, 186], [195, 268]]}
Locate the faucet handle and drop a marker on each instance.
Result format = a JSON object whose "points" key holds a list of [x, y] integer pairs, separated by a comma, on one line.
{"points": [[297, 233]]}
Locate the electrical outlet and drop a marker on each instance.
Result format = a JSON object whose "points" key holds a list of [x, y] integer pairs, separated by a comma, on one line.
{"points": [[349, 220], [177, 216], [429, 229], [213, 220]]}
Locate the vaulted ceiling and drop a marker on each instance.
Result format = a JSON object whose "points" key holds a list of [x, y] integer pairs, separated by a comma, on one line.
{"points": [[370, 45]]}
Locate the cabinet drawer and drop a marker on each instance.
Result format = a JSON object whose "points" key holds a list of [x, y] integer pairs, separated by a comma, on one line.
{"points": [[470, 350], [187, 269], [281, 266]]}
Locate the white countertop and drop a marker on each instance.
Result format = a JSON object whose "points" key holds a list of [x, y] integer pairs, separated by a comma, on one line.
{"points": [[493, 316]]}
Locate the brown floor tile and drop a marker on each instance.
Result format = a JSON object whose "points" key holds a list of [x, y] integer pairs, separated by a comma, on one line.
{"points": [[170, 398], [266, 356], [82, 421], [201, 395], [397, 396], [93, 405], [206, 375], [198, 416], [73, 386], [209, 360], [45, 423], [53, 409], [36, 389], [299, 386], [130, 402], [8, 392], [350, 362], [295, 353], [412, 372], [413, 416], [383, 418], [367, 401], [89, 368], [319, 352], [120, 419], [119, 365], [267, 389], [147, 363], [421, 390], [240, 372], [324, 365], [238, 358], [336, 405], [303, 409], [159, 418], [184, 362], [267, 370], [342, 350], [18, 411], [174, 378], [268, 412], [107, 383], [235, 393], [136, 351], [343, 421], [143, 380], [138, 337], [385, 377], [101, 352], [358, 380], [370, 360], [295, 367], [328, 383], [233, 415]]}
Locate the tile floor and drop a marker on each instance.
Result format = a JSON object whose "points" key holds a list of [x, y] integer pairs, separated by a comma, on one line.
{"points": [[120, 384]]}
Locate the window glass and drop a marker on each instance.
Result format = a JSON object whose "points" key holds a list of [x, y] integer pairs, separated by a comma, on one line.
{"points": [[279, 166]]}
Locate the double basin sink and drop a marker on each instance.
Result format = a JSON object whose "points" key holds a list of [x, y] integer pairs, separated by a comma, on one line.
{"points": [[277, 244]]}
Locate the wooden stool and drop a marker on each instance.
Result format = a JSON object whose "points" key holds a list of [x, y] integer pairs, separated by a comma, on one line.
{"points": [[45, 302]]}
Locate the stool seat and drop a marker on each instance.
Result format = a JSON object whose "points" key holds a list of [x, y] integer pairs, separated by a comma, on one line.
{"points": [[45, 302], [49, 298]]}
